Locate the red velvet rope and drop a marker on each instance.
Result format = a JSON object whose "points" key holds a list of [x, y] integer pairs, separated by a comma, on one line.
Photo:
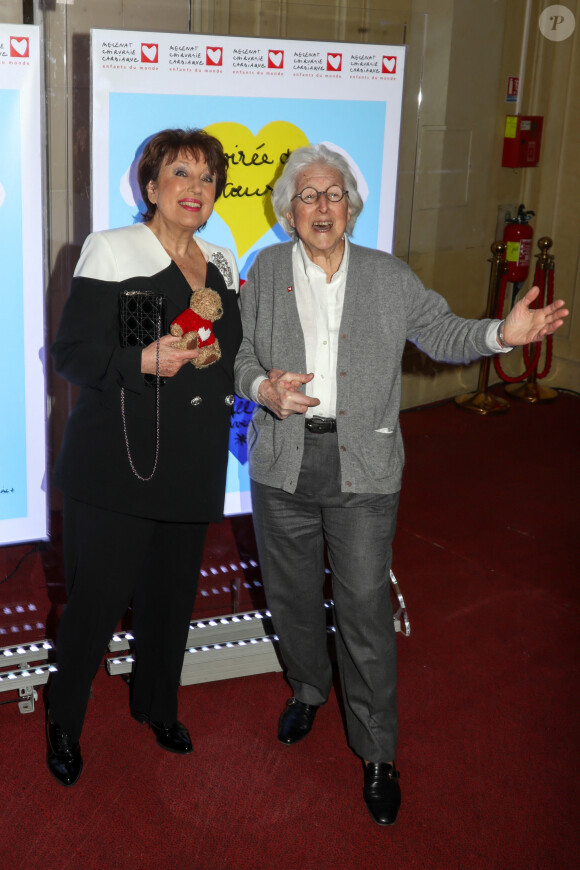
{"points": [[540, 280], [530, 359], [550, 338], [497, 359]]}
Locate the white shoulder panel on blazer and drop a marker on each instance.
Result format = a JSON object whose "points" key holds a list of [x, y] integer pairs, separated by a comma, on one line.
{"points": [[115, 255]]}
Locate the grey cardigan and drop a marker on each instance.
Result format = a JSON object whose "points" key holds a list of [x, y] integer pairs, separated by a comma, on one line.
{"points": [[384, 304]]}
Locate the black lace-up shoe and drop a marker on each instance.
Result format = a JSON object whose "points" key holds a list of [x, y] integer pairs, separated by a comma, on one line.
{"points": [[296, 721], [63, 754], [174, 738], [382, 792]]}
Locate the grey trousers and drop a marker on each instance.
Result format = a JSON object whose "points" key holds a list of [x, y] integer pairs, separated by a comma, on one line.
{"points": [[358, 530]]}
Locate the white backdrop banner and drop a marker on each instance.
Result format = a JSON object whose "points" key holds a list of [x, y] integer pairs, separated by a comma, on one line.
{"points": [[262, 98], [23, 488]]}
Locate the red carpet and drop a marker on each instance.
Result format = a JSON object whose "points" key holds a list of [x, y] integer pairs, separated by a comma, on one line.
{"points": [[486, 554]]}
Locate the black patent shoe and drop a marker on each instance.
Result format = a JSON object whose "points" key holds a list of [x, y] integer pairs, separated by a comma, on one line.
{"points": [[63, 756], [382, 792], [296, 721], [174, 738]]}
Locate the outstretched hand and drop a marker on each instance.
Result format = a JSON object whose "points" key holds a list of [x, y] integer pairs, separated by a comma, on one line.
{"points": [[524, 324], [280, 393]]}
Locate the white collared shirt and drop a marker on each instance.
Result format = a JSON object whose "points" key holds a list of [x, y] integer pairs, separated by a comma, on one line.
{"points": [[319, 304]]}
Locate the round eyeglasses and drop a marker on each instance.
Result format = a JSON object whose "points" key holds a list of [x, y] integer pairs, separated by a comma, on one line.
{"points": [[310, 195]]}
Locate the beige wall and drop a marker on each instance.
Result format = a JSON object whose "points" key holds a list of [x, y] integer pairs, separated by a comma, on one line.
{"points": [[552, 190], [11, 12], [451, 183], [458, 184]]}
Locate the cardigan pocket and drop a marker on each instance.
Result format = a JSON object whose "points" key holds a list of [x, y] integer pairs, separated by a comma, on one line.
{"points": [[379, 454]]}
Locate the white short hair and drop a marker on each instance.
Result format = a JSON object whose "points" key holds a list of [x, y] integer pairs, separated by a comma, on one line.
{"points": [[300, 159]]}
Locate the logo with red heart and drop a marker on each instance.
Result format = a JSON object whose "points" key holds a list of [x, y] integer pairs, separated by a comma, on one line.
{"points": [[275, 60], [19, 46], [214, 55], [333, 62], [149, 52], [389, 64]]}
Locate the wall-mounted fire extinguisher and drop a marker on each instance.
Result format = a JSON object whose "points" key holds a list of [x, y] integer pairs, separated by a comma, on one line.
{"points": [[518, 236]]}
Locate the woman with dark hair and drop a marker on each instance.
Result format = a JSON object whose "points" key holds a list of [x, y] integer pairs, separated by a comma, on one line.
{"points": [[143, 461]]}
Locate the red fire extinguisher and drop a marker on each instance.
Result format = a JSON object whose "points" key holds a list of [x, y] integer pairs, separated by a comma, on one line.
{"points": [[518, 236]]}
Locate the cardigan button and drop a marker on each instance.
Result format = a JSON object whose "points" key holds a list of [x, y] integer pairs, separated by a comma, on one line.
{"points": [[197, 400]]}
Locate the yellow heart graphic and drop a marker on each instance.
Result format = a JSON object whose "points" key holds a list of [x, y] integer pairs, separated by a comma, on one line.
{"points": [[254, 164]]}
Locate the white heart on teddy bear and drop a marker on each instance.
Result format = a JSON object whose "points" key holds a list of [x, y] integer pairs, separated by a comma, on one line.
{"points": [[204, 333]]}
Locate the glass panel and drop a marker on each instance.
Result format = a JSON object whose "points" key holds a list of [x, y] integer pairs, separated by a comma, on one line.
{"points": [[452, 192], [450, 184], [230, 578]]}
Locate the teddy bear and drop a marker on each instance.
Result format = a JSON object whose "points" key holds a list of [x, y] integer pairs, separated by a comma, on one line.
{"points": [[196, 323]]}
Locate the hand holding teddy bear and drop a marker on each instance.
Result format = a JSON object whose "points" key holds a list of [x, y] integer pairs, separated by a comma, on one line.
{"points": [[195, 324]]}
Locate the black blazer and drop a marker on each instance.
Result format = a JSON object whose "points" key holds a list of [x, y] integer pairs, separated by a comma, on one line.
{"points": [[195, 406]]}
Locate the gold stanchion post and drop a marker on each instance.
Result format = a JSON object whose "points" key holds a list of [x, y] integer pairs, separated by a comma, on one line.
{"points": [[483, 402], [530, 391]]}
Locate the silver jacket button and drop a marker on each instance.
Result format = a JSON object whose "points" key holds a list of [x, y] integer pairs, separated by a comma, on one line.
{"points": [[229, 400], [197, 400]]}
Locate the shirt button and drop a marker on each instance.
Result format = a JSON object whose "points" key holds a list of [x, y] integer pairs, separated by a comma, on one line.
{"points": [[324, 342]]}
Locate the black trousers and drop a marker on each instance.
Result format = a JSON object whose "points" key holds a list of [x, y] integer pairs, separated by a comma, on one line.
{"points": [[111, 559]]}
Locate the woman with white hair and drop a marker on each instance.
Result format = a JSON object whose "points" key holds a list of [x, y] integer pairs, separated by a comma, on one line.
{"points": [[326, 453]]}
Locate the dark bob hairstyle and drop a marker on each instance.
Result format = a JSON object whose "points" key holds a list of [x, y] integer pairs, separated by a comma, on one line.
{"points": [[164, 148]]}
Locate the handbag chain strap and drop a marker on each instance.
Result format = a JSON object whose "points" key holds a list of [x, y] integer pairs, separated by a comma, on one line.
{"points": [[157, 381]]}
